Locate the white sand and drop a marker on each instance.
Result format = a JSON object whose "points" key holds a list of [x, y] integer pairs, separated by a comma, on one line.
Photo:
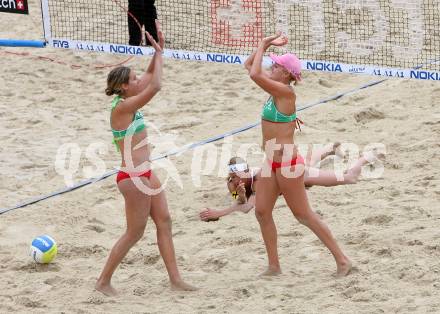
{"points": [[388, 227]]}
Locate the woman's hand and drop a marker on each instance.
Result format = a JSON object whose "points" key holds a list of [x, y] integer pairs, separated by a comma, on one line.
{"points": [[274, 40], [280, 41], [241, 190], [155, 45], [209, 214], [160, 34]]}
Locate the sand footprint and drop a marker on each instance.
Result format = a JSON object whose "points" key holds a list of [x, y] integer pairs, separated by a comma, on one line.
{"points": [[38, 268], [325, 83], [140, 291], [52, 281], [151, 259], [95, 221], [133, 258], [236, 241], [230, 94], [433, 248], [95, 228], [95, 299], [294, 233], [353, 291], [242, 293], [215, 264], [81, 251], [414, 242], [377, 220], [384, 252], [25, 301], [369, 114], [357, 238]]}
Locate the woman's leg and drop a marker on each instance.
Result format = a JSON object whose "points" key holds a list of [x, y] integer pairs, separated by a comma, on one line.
{"points": [[352, 174], [150, 16], [296, 198], [315, 156], [314, 176], [137, 9], [161, 217], [266, 197], [137, 209]]}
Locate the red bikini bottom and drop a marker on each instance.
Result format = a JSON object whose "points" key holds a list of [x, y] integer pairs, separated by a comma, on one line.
{"points": [[124, 175], [299, 160]]}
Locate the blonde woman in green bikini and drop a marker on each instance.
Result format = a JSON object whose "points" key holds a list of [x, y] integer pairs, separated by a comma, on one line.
{"points": [[129, 130], [283, 172]]}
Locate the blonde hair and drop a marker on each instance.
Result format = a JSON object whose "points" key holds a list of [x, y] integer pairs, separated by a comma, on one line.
{"points": [[236, 160], [115, 79]]}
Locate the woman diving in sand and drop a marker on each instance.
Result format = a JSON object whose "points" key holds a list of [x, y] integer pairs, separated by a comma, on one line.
{"points": [[241, 180]]}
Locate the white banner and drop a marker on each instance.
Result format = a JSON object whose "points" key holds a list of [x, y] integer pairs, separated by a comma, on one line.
{"points": [[311, 65]]}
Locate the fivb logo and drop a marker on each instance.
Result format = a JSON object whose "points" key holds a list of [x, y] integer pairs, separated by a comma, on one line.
{"points": [[61, 44], [14, 6]]}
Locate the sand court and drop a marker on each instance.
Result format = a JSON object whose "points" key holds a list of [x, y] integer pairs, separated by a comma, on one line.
{"points": [[388, 226]]}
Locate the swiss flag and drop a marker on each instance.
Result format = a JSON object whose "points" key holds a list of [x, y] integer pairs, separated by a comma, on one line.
{"points": [[20, 5]]}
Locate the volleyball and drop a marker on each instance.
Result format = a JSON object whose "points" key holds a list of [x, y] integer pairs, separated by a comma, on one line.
{"points": [[43, 249]]}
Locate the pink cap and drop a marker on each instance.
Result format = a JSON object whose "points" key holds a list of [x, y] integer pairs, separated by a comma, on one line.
{"points": [[290, 62]]}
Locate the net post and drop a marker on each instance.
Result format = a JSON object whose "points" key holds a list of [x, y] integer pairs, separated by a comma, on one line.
{"points": [[46, 20]]}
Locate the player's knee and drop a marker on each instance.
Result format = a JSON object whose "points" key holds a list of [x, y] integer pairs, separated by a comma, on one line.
{"points": [[164, 222], [135, 233], [261, 214], [303, 218]]}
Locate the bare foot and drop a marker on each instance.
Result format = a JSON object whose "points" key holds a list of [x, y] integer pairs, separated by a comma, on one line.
{"points": [[106, 289], [343, 269], [333, 149], [319, 156], [351, 176], [271, 271], [373, 156], [337, 150], [180, 285]]}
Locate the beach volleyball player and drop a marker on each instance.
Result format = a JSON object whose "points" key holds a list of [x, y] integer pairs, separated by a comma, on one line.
{"points": [[283, 170], [128, 127], [242, 179]]}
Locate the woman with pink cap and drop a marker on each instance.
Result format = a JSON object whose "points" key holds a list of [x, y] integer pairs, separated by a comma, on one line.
{"points": [[284, 170]]}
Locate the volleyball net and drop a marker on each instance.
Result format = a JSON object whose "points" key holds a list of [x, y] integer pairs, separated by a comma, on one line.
{"points": [[380, 37]]}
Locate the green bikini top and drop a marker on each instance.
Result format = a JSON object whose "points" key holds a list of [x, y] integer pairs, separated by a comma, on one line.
{"points": [[271, 113], [136, 126]]}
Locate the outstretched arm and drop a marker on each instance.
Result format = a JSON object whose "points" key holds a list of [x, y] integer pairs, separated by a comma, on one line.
{"points": [[211, 214], [134, 103], [249, 61], [146, 77], [275, 88]]}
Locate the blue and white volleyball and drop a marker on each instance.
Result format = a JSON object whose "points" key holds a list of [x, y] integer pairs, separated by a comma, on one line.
{"points": [[43, 249]]}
